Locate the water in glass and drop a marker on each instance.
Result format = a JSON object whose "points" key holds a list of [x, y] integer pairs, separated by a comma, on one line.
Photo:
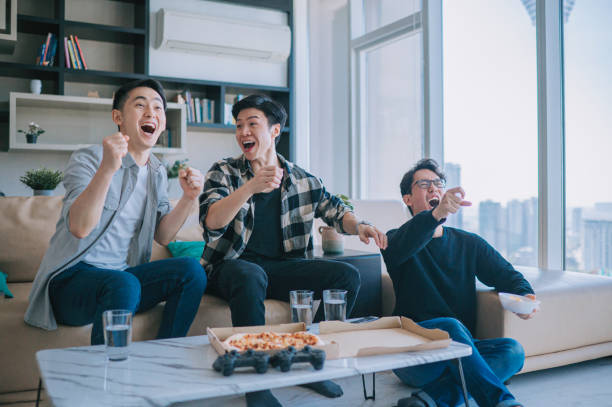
{"points": [[335, 310]]}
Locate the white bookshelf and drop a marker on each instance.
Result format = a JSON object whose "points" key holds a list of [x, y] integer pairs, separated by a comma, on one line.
{"points": [[73, 122]]}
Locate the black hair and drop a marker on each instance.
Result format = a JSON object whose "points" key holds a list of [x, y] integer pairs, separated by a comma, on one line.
{"points": [[274, 111], [121, 94], [423, 164]]}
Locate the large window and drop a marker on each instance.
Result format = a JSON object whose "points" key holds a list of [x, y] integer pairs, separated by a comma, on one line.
{"points": [[387, 99], [394, 115], [490, 122], [588, 136]]}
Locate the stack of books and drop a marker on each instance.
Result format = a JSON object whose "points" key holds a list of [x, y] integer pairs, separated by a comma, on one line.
{"points": [[199, 110], [47, 51], [229, 119], [73, 53]]}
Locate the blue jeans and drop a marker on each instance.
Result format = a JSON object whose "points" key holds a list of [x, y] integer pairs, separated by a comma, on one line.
{"points": [[493, 361], [80, 294]]}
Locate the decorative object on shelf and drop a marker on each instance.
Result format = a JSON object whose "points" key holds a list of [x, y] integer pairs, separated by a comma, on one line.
{"points": [[93, 94], [36, 86], [42, 181], [32, 133], [331, 241]]}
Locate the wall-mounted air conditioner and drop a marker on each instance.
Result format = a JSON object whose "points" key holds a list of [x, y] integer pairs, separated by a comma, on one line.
{"points": [[196, 33]]}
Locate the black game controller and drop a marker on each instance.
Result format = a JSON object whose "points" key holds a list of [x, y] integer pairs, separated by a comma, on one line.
{"points": [[231, 360], [285, 358]]}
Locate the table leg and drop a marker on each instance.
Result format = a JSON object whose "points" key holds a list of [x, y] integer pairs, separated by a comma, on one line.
{"points": [[365, 394], [463, 386], [38, 392]]}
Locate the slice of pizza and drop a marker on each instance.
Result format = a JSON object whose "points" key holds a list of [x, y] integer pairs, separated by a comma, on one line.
{"points": [[271, 341]]}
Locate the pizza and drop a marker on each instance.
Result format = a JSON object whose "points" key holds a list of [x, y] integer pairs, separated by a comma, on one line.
{"points": [[271, 340]]}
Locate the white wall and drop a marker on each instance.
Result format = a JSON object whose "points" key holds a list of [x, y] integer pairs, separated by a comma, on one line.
{"points": [[329, 92], [215, 68]]}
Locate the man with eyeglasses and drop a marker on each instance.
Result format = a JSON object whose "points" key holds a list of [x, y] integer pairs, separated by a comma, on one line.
{"points": [[257, 212], [433, 269]]}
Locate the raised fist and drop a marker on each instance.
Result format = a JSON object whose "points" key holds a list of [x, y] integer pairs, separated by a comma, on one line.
{"points": [[115, 148], [266, 179]]}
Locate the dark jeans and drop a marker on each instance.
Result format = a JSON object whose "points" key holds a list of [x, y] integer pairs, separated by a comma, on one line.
{"points": [[493, 361], [80, 294], [246, 282]]}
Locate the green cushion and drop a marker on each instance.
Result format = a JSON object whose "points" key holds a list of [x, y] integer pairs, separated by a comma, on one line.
{"points": [[3, 286], [186, 249]]}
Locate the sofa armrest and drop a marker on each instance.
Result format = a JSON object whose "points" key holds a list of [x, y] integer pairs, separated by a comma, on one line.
{"points": [[490, 317]]}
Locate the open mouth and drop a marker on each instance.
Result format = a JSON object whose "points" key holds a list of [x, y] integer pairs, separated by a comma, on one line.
{"points": [[433, 202], [148, 128], [248, 145]]}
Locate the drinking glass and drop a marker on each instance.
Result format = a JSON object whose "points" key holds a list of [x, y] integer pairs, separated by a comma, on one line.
{"points": [[301, 306], [334, 304], [117, 325]]}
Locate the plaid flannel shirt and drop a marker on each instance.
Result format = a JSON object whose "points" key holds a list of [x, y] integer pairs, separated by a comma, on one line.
{"points": [[303, 197]]}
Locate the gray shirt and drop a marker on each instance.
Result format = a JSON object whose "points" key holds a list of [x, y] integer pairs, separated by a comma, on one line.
{"points": [[65, 250], [112, 250]]}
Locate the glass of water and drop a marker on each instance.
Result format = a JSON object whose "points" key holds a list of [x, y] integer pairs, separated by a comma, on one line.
{"points": [[301, 306], [117, 325], [334, 304]]}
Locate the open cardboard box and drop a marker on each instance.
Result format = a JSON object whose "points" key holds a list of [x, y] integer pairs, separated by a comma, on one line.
{"points": [[385, 335], [344, 339]]}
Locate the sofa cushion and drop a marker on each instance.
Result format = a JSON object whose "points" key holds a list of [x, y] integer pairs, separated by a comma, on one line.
{"points": [[20, 341], [27, 224], [575, 312]]}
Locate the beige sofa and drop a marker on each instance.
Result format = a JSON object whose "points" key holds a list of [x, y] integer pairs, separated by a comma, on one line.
{"points": [[575, 322]]}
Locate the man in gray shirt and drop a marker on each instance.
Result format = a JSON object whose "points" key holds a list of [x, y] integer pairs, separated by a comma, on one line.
{"points": [[116, 203]]}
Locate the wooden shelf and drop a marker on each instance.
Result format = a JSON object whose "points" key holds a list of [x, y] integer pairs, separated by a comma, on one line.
{"points": [[37, 25], [73, 122], [107, 33]]}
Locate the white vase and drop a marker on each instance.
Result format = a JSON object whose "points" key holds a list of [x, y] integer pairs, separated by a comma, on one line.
{"points": [[43, 192], [35, 86]]}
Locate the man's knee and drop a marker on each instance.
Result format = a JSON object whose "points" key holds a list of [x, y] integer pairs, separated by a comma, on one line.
{"points": [[121, 290], [192, 271], [349, 275], [456, 330], [514, 354], [248, 276]]}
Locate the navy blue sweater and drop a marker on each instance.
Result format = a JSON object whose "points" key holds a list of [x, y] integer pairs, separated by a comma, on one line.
{"points": [[437, 277]]}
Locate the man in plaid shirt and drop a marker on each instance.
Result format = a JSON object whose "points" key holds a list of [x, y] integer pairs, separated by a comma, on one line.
{"points": [[257, 212]]}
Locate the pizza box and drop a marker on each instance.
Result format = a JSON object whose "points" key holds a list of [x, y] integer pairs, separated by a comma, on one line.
{"points": [[385, 335], [216, 336], [344, 339]]}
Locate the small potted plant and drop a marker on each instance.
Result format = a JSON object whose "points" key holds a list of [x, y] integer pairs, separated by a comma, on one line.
{"points": [[42, 181], [32, 133], [331, 241], [173, 170]]}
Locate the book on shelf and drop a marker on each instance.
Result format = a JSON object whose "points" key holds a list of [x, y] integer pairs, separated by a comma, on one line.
{"points": [[198, 110], [66, 54], [73, 61], [76, 61], [47, 50], [78, 46]]}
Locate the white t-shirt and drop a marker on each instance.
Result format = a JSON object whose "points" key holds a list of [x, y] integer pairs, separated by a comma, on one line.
{"points": [[111, 252]]}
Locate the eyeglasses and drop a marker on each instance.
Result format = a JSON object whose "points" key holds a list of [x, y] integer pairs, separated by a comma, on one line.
{"points": [[426, 183]]}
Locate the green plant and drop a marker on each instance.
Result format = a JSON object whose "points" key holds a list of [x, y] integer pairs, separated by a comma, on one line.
{"points": [[42, 178], [346, 200], [173, 171], [33, 129]]}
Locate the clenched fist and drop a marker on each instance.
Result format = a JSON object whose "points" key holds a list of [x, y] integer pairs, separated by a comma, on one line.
{"points": [[192, 182], [115, 148], [451, 202], [266, 179]]}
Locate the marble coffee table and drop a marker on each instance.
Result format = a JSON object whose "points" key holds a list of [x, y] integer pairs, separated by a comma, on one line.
{"points": [[163, 372]]}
